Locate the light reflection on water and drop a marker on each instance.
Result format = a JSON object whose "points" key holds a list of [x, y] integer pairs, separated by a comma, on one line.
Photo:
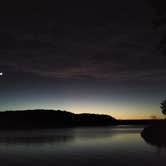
{"points": [[120, 145]]}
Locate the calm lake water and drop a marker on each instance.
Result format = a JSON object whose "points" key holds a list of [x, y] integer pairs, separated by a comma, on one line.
{"points": [[120, 145]]}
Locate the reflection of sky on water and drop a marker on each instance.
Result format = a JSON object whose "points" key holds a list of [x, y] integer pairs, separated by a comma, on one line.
{"points": [[57, 136], [34, 137], [79, 146]]}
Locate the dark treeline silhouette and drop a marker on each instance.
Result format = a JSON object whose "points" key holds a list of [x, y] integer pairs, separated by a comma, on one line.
{"points": [[40, 118], [31, 119]]}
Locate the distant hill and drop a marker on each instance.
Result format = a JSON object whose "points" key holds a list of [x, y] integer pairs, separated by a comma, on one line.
{"points": [[34, 119]]}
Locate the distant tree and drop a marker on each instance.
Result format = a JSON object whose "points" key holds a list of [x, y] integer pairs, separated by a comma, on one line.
{"points": [[163, 107]]}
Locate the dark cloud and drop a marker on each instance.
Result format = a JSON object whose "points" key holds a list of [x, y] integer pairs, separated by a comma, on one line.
{"points": [[100, 41]]}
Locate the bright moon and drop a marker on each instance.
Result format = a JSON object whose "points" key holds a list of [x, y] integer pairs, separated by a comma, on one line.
{"points": [[1, 73]]}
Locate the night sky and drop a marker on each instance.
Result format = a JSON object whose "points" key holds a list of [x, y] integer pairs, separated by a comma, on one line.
{"points": [[82, 57]]}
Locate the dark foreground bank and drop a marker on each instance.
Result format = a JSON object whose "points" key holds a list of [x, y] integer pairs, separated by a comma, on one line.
{"points": [[155, 134]]}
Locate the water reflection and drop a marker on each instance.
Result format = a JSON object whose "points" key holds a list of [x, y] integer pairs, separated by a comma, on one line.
{"points": [[35, 137], [120, 145], [65, 135]]}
